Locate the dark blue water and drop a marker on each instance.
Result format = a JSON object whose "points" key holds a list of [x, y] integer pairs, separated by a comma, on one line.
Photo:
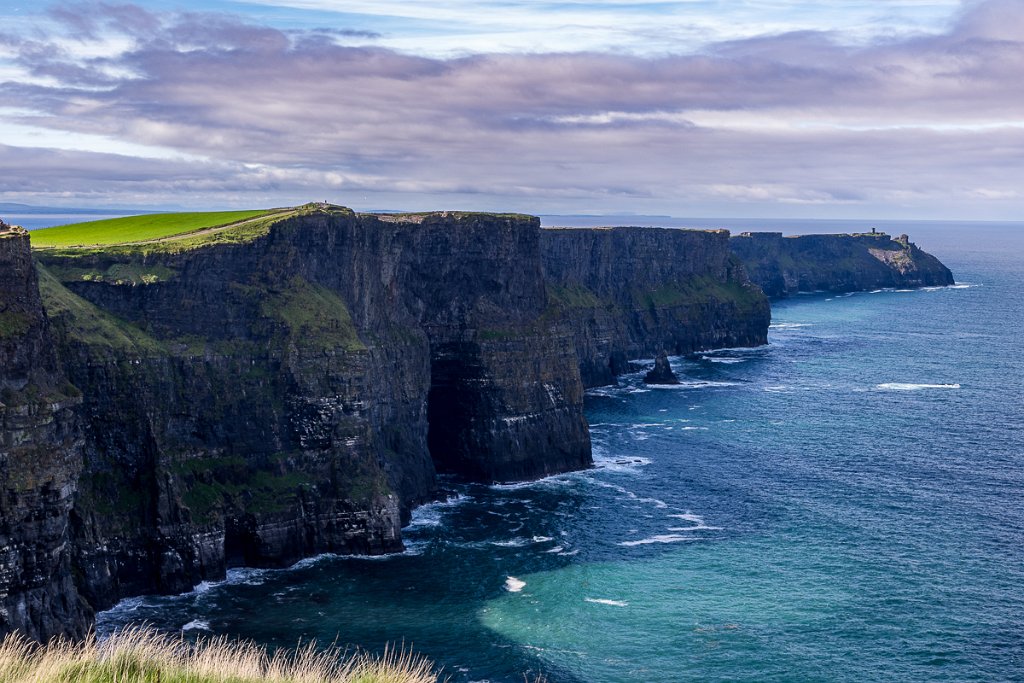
{"points": [[844, 504], [47, 220]]}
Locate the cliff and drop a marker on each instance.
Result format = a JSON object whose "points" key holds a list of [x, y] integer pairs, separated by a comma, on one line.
{"points": [[634, 292], [837, 263], [295, 393], [40, 458], [293, 384]]}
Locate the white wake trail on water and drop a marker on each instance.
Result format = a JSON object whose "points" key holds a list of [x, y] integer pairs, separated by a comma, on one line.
{"points": [[905, 386], [606, 601]]}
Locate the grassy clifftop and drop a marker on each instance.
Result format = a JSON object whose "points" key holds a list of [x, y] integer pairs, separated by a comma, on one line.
{"points": [[167, 232], [145, 228]]}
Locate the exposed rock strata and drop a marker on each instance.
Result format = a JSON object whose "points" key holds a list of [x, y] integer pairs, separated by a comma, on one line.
{"points": [[261, 402], [633, 292], [661, 373], [836, 263], [40, 459], [252, 403]]}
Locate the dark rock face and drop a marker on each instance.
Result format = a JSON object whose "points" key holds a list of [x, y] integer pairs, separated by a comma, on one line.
{"points": [[258, 403], [505, 401], [661, 373], [838, 263], [632, 292], [178, 411], [40, 459]]}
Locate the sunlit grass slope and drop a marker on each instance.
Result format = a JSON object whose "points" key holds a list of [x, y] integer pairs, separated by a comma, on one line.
{"points": [[137, 228], [140, 655]]}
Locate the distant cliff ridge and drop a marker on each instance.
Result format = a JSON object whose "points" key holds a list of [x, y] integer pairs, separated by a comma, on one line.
{"points": [[292, 384], [632, 292], [837, 263]]}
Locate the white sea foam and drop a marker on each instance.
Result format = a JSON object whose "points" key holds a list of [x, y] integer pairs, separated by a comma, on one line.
{"points": [[729, 349], [248, 576], [620, 464], [196, 625], [430, 514], [660, 504], [617, 391], [959, 285], [689, 517], [660, 538], [695, 385], [517, 542], [554, 481], [514, 585], [557, 549], [606, 601], [904, 386], [787, 326]]}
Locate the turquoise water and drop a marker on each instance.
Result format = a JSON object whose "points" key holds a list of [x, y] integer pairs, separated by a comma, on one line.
{"points": [[844, 504]]}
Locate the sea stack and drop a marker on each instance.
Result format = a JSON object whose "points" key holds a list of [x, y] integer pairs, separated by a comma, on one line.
{"points": [[662, 372]]}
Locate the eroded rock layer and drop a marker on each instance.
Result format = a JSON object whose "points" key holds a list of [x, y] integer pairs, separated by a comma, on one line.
{"points": [[633, 292], [836, 263], [294, 387], [40, 459]]}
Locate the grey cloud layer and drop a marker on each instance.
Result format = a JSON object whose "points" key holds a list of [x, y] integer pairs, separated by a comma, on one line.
{"points": [[797, 118]]}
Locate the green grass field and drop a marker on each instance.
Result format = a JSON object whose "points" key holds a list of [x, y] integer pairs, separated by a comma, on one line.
{"points": [[130, 229]]}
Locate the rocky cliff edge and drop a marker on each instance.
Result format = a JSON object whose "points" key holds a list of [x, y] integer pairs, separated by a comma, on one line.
{"points": [[295, 386], [782, 266]]}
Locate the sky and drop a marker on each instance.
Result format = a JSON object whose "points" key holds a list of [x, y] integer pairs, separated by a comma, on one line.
{"points": [[909, 109]]}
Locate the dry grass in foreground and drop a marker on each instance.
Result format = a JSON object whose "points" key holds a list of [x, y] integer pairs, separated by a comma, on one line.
{"points": [[141, 655]]}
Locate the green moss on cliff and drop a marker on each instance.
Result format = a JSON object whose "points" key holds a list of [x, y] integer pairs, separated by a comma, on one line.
{"points": [[84, 323], [572, 296], [131, 273], [315, 316], [13, 324], [211, 485], [114, 495], [699, 290]]}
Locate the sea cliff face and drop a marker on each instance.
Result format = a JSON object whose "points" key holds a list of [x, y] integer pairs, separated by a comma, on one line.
{"points": [[175, 408], [40, 459], [633, 292], [252, 404], [837, 263]]}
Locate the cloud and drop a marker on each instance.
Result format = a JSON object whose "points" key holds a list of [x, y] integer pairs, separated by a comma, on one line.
{"points": [[797, 118]]}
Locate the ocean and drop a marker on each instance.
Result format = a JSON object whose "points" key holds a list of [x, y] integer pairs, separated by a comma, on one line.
{"points": [[34, 221], [843, 504]]}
